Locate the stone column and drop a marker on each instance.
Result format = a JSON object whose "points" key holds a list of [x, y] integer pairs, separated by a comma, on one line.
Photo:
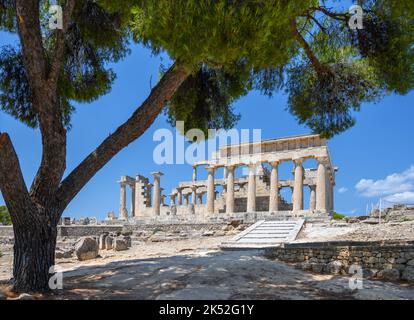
{"points": [[179, 196], [298, 186], [210, 190], [133, 200], [194, 195], [194, 173], [137, 196], [200, 198], [321, 185], [274, 188], [186, 195], [312, 198], [251, 189], [123, 212], [156, 203], [149, 192], [172, 198], [225, 173], [230, 190]]}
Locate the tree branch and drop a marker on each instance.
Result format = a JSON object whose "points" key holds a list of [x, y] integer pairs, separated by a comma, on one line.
{"points": [[133, 128], [27, 12], [57, 60], [319, 68], [12, 184]]}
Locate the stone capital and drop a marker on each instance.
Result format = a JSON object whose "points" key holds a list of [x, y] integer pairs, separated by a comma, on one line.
{"points": [[298, 161], [231, 167], [210, 169], [157, 174], [322, 160], [274, 164]]}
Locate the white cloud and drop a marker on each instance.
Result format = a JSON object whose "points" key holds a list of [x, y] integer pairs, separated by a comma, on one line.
{"points": [[396, 183], [342, 190], [402, 197]]}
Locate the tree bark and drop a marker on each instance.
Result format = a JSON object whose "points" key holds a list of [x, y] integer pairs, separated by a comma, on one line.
{"points": [[34, 255]]}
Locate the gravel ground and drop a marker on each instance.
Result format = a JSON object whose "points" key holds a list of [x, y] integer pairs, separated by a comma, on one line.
{"points": [[197, 269]]}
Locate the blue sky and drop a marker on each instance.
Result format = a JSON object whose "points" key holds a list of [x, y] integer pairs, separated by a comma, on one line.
{"points": [[378, 150]]}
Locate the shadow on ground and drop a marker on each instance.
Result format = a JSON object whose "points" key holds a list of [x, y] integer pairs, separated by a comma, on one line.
{"points": [[215, 275]]}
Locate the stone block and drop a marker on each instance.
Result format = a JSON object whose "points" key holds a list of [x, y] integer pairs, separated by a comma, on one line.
{"points": [[86, 248], [389, 274], [408, 274]]}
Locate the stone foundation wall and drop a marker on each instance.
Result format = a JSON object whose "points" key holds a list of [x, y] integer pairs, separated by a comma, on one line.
{"points": [[75, 231], [390, 261], [83, 231]]}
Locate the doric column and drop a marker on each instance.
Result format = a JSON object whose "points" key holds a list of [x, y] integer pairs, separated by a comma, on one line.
{"points": [[225, 173], [199, 198], [194, 195], [194, 173], [172, 198], [251, 189], [298, 185], [186, 195], [137, 196], [274, 188], [332, 196], [149, 192], [156, 203], [230, 190], [123, 212], [312, 198], [133, 200], [179, 196], [210, 190], [321, 185]]}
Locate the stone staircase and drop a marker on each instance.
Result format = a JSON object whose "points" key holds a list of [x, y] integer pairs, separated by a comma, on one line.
{"points": [[265, 234]]}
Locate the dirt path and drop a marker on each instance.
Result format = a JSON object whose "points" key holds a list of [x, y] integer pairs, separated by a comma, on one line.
{"points": [[196, 269]]}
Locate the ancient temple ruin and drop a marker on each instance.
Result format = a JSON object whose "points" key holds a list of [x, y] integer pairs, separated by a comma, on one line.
{"points": [[256, 195]]}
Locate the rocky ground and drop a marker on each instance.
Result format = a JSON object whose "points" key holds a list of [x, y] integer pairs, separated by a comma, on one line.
{"points": [[362, 231], [167, 267]]}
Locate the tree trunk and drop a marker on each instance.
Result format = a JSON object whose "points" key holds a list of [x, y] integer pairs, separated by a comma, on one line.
{"points": [[34, 254]]}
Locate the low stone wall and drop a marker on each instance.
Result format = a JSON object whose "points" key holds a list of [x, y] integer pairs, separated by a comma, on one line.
{"points": [[386, 260], [75, 231]]}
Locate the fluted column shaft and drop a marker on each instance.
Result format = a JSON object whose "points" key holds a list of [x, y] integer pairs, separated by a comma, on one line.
{"points": [[179, 196], [186, 199], [194, 195], [312, 198], [230, 190], [123, 212], [210, 190], [251, 189], [298, 186], [321, 186], [274, 188], [156, 203]]}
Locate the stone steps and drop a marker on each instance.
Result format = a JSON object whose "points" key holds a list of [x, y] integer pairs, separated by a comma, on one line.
{"points": [[265, 234]]}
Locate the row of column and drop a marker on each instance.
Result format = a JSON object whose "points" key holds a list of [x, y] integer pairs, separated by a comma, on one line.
{"points": [[321, 198], [196, 197]]}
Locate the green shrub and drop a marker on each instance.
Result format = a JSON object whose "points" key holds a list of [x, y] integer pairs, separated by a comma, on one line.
{"points": [[338, 216], [5, 216]]}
